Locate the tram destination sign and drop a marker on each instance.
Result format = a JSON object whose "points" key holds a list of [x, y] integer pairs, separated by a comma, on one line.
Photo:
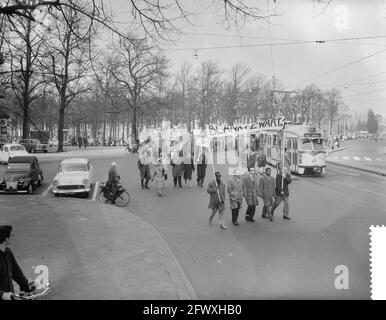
{"points": [[222, 131], [312, 135]]}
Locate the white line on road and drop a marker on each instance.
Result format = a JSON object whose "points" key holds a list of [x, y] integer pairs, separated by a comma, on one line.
{"points": [[363, 189], [357, 158], [346, 158], [378, 159], [96, 187], [47, 190], [368, 159], [335, 157]]}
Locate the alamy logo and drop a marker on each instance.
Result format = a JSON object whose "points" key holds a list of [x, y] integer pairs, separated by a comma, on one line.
{"points": [[341, 19], [342, 280], [42, 279]]}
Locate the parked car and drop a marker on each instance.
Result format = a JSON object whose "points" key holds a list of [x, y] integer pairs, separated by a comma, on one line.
{"points": [[53, 142], [75, 176], [33, 145], [10, 150], [22, 175]]}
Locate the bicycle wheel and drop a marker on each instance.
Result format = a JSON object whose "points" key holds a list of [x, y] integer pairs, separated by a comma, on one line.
{"points": [[123, 199], [102, 196]]}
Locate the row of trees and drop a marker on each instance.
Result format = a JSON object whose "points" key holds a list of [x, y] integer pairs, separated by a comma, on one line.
{"points": [[57, 75]]}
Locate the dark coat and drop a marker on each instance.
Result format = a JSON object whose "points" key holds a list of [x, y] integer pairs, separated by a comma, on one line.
{"points": [[282, 188], [214, 201], [201, 166], [188, 169], [267, 189], [144, 170], [10, 270], [251, 190]]}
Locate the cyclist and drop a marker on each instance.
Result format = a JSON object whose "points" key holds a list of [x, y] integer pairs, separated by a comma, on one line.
{"points": [[9, 269], [112, 181]]}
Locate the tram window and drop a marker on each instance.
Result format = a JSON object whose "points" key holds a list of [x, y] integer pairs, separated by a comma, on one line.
{"points": [[306, 144], [289, 145], [274, 140], [318, 144], [295, 144]]}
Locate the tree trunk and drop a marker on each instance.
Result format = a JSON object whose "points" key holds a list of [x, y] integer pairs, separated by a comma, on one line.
{"points": [[62, 107], [25, 122], [134, 131]]}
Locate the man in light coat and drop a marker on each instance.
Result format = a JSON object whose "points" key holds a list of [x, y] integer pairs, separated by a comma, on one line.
{"points": [[235, 191], [251, 193], [267, 191]]}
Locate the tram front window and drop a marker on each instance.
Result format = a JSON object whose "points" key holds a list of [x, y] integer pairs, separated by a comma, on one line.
{"points": [[312, 144]]}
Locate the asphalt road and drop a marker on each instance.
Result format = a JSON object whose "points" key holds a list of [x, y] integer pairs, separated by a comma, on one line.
{"points": [[331, 216]]}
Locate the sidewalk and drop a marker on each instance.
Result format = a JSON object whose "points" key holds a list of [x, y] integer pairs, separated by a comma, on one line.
{"points": [[92, 250], [370, 169]]}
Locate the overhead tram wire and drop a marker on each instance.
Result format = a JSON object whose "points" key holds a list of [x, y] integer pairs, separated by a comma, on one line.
{"points": [[338, 68], [289, 42]]}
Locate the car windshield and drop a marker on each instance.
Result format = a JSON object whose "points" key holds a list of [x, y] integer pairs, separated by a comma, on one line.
{"points": [[19, 166], [68, 167], [312, 144], [17, 148]]}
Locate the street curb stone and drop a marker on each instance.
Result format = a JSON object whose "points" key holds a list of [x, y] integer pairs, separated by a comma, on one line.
{"points": [[181, 283]]}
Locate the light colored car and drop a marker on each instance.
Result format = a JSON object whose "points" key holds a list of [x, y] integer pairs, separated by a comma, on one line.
{"points": [[53, 142], [11, 150], [75, 176]]}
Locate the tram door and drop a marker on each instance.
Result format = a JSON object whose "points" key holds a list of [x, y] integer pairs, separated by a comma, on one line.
{"points": [[254, 142]]}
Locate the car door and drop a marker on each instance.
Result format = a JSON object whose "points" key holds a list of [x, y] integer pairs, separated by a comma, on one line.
{"points": [[91, 172], [2, 153], [5, 154]]}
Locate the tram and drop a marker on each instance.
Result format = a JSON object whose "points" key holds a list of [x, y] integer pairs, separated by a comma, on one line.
{"points": [[305, 148]]}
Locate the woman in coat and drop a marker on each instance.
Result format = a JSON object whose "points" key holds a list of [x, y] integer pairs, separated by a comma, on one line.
{"points": [[188, 169], [201, 167], [235, 191], [176, 161]]}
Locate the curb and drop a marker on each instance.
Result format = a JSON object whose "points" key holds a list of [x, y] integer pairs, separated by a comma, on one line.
{"points": [[383, 174], [181, 283]]}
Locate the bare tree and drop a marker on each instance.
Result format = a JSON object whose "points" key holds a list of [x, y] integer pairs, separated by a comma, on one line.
{"points": [[136, 68], [25, 76], [66, 64], [333, 101], [207, 81]]}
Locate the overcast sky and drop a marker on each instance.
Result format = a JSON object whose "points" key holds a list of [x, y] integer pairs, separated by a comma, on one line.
{"points": [[363, 83]]}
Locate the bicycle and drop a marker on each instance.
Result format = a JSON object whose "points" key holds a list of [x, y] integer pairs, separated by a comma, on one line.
{"points": [[122, 198], [32, 296]]}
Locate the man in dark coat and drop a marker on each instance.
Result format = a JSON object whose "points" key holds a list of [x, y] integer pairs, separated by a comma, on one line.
{"points": [[216, 189], [80, 141], [282, 193], [144, 159], [112, 180], [9, 269]]}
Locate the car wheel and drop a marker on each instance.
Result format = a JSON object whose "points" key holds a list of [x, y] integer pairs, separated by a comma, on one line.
{"points": [[45, 151], [30, 189], [32, 150], [56, 194]]}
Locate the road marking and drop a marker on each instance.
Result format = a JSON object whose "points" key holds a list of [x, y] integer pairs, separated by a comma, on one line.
{"points": [[378, 159], [363, 189], [335, 157], [96, 187], [357, 158], [47, 190], [346, 158], [368, 159]]}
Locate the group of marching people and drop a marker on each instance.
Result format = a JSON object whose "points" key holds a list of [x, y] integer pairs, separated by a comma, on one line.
{"points": [[250, 187], [182, 164]]}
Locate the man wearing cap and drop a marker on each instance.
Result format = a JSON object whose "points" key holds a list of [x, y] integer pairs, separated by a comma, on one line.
{"points": [[235, 191], [282, 193], [267, 191], [216, 189], [9, 269], [251, 193]]}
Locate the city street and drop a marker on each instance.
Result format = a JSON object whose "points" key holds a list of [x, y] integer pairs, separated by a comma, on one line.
{"points": [[331, 216]]}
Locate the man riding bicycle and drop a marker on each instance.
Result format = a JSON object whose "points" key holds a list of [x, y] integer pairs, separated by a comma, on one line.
{"points": [[9, 269], [112, 181]]}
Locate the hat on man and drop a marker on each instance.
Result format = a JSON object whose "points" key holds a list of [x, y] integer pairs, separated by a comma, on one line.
{"points": [[236, 172], [217, 174], [5, 232]]}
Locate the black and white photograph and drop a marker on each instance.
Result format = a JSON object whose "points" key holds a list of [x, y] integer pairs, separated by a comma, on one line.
{"points": [[192, 150]]}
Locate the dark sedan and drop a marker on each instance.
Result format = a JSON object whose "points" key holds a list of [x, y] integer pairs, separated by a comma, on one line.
{"points": [[22, 175]]}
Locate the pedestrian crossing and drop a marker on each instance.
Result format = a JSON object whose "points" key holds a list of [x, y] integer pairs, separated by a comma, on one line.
{"points": [[357, 158]]}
